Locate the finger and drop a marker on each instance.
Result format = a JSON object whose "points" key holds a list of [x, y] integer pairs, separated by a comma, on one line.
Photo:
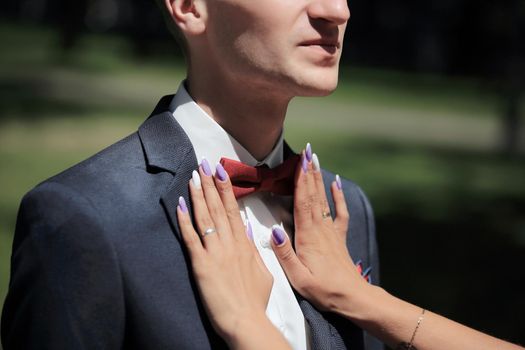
{"points": [[298, 274], [225, 190], [342, 217], [213, 201], [302, 205], [315, 205], [319, 185], [255, 252], [200, 212], [189, 236]]}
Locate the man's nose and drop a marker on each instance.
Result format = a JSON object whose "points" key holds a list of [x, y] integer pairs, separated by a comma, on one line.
{"points": [[335, 11]]}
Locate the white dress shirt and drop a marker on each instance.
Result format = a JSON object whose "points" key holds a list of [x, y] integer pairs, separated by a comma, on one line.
{"points": [[262, 210]]}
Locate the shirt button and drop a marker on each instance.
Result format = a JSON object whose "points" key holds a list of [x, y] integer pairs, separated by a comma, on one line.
{"points": [[265, 243]]}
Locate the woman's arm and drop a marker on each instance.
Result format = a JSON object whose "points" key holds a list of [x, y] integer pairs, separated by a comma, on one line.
{"points": [[322, 271], [400, 324]]}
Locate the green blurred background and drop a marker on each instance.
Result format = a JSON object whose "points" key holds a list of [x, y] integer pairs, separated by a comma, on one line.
{"points": [[441, 156]]}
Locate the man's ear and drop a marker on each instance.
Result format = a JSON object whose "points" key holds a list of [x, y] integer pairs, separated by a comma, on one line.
{"points": [[188, 15]]}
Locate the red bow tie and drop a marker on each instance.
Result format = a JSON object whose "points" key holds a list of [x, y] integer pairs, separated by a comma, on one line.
{"points": [[248, 179]]}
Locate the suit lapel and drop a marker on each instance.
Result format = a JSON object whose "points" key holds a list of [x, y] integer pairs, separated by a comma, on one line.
{"points": [[167, 148]]}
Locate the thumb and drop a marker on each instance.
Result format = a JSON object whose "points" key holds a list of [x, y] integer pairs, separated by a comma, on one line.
{"points": [[295, 270]]}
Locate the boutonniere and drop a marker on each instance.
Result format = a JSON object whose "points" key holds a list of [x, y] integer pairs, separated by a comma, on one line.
{"points": [[366, 272]]}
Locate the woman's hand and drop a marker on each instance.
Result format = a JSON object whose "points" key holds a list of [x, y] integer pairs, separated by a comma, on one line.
{"points": [[233, 281], [320, 268], [322, 271]]}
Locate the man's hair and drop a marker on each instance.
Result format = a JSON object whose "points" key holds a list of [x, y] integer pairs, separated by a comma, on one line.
{"points": [[173, 28]]}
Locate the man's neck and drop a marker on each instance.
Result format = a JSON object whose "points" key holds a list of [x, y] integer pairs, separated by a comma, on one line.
{"points": [[254, 118]]}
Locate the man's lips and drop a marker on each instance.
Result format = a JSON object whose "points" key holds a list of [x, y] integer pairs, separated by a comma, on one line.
{"points": [[329, 45]]}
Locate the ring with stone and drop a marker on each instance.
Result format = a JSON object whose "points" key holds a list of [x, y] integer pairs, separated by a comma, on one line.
{"points": [[325, 214], [209, 231]]}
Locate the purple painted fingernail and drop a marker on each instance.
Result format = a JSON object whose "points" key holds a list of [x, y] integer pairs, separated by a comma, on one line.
{"points": [[220, 172], [249, 231], [304, 165], [205, 167], [338, 182], [278, 235], [309, 152], [182, 205]]}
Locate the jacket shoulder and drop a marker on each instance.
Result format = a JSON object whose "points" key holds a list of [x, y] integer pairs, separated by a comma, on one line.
{"points": [[126, 153]]}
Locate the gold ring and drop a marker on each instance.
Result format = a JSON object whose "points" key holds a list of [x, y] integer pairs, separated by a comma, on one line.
{"points": [[325, 214]]}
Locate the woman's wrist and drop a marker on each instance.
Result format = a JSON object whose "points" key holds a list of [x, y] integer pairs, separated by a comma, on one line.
{"points": [[381, 314], [360, 304]]}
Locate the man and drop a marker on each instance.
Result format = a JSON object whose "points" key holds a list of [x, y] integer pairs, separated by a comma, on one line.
{"points": [[97, 260]]}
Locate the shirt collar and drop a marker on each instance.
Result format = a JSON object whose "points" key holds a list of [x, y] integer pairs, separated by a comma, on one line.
{"points": [[209, 139]]}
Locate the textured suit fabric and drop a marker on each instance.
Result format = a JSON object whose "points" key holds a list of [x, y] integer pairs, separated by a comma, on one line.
{"points": [[97, 260]]}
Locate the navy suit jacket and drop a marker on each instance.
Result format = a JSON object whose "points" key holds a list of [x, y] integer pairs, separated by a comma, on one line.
{"points": [[97, 260]]}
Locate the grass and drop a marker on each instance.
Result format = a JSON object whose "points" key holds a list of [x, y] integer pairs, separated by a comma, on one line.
{"points": [[449, 206]]}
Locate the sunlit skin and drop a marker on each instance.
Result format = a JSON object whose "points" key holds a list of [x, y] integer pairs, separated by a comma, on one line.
{"points": [[289, 47], [248, 59]]}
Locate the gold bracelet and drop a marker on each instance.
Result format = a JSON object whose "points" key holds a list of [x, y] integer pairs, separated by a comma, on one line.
{"points": [[409, 345]]}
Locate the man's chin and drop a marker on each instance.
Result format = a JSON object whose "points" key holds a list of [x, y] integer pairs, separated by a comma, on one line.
{"points": [[322, 83], [318, 89]]}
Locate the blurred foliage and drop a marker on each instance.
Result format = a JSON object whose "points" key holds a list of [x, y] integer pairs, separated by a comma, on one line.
{"points": [[449, 206]]}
